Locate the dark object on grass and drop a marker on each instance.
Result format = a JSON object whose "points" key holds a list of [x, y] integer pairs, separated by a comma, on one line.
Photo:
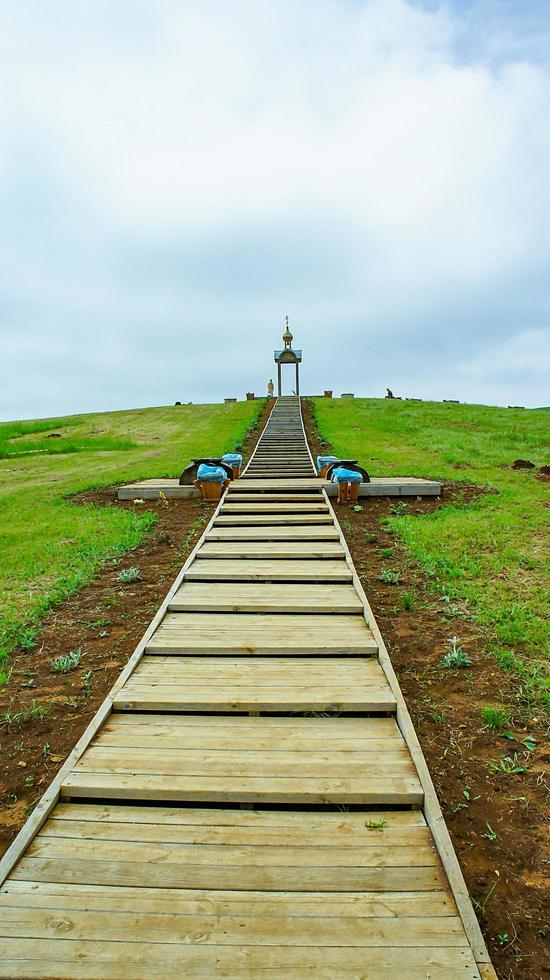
{"points": [[189, 474], [523, 464], [250, 396], [545, 470], [177, 403], [328, 393], [389, 393], [53, 435], [348, 464]]}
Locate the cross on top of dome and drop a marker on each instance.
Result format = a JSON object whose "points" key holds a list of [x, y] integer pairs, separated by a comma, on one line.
{"points": [[287, 336]]}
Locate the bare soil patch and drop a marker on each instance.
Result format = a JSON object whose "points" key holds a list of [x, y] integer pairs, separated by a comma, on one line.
{"points": [[497, 821]]}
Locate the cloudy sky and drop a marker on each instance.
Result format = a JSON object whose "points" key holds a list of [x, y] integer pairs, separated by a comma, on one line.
{"points": [[177, 175]]}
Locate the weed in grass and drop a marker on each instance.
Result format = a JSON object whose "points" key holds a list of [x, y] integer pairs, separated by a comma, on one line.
{"points": [[494, 717], [387, 552], [456, 656], [96, 623], [389, 577], [375, 824], [407, 602], [129, 575], [65, 664], [508, 765], [398, 509], [370, 537], [27, 638], [5, 676]]}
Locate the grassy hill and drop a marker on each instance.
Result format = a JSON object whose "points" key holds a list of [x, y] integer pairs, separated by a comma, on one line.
{"points": [[492, 554], [49, 546]]}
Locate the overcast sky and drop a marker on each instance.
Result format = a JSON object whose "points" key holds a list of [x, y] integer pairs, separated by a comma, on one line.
{"points": [[176, 176]]}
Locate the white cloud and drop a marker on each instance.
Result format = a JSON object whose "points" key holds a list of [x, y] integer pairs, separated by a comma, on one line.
{"points": [[195, 168]]}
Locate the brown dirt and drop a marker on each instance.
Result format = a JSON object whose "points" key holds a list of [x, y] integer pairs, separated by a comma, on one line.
{"points": [[505, 874], [105, 620]]}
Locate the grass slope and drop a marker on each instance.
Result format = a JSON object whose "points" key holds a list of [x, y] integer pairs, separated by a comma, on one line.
{"points": [[494, 553], [49, 547]]}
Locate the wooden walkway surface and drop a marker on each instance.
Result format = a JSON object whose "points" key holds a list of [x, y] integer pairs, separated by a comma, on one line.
{"points": [[251, 798]]}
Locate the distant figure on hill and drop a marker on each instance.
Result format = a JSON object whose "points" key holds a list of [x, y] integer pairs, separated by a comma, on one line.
{"points": [[270, 388], [389, 393]]}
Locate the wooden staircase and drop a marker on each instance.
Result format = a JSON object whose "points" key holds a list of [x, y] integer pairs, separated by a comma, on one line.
{"points": [[251, 799]]}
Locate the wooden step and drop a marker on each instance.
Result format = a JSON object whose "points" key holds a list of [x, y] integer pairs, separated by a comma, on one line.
{"points": [[277, 507], [262, 633], [271, 549], [271, 570], [263, 684], [272, 519], [318, 771], [266, 597], [298, 533]]}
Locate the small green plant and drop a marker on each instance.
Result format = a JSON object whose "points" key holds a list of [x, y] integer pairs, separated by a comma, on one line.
{"points": [[65, 664], [397, 510], [28, 638], [482, 906], [129, 575], [371, 537], [456, 656], [163, 500], [389, 577], [357, 508], [528, 742], [387, 552], [407, 602], [375, 824], [494, 717], [502, 938], [491, 834], [509, 765], [46, 750]]}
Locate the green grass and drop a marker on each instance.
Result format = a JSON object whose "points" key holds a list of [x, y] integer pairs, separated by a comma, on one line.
{"points": [[493, 552], [49, 546]]}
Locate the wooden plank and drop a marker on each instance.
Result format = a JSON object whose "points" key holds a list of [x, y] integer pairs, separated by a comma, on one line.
{"points": [[268, 570], [166, 927], [249, 633], [279, 507], [265, 597], [271, 520], [298, 533], [94, 959], [266, 905], [212, 771], [271, 549], [346, 826]]}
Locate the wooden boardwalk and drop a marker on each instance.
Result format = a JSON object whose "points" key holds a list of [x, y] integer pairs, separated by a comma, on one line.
{"points": [[251, 798]]}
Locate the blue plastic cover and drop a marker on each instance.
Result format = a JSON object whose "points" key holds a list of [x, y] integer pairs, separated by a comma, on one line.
{"points": [[211, 474], [324, 461], [231, 458], [341, 475]]}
